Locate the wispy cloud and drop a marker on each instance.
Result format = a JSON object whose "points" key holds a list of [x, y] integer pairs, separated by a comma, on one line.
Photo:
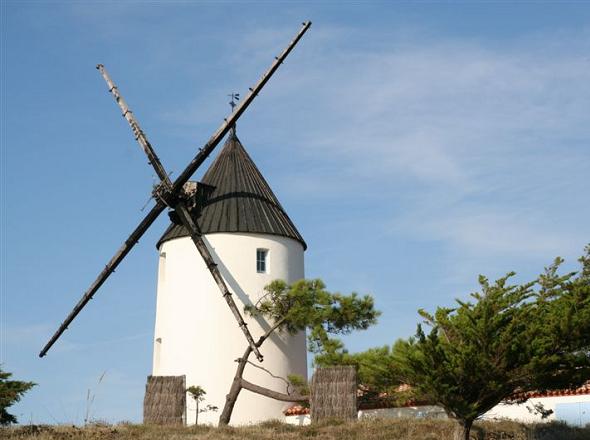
{"points": [[479, 229], [484, 148]]}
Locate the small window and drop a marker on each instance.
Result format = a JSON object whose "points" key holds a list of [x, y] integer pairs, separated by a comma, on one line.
{"points": [[261, 260]]}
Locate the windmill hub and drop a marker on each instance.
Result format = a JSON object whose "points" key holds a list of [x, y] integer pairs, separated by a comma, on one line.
{"points": [[164, 193], [195, 196]]}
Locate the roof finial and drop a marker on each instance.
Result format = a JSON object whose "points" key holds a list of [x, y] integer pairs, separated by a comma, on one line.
{"points": [[235, 97]]}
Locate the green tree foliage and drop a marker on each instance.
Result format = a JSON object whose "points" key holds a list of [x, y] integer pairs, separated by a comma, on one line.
{"points": [[11, 392], [299, 384], [507, 339], [306, 304], [198, 393]]}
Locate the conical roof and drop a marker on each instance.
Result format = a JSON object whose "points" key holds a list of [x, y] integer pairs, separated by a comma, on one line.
{"points": [[242, 200]]}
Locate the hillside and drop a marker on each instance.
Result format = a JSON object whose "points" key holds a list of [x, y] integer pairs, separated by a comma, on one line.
{"points": [[399, 429]]}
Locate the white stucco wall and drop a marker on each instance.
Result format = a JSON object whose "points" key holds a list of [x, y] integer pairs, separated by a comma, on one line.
{"points": [[419, 412], [522, 412], [298, 420], [196, 334]]}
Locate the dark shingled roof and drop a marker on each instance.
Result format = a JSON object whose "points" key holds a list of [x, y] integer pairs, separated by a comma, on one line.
{"points": [[242, 200]]}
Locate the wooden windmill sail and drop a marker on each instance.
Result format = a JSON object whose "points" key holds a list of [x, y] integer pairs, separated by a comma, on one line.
{"points": [[178, 197]]}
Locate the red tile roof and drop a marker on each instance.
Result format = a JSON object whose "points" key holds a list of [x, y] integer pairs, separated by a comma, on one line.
{"points": [[382, 401], [296, 410], [584, 389]]}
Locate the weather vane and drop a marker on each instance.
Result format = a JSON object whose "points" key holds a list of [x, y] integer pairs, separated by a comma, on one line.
{"points": [[235, 97]]}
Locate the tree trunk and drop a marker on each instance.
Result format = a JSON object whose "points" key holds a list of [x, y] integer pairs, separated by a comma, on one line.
{"points": [[234, 391], [236, 386], [462, 429], [230, 401], [197, 414]]}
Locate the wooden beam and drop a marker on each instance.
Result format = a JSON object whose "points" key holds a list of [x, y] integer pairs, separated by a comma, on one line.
{"points": [[106, 272], [232, 119], [140, 136]]}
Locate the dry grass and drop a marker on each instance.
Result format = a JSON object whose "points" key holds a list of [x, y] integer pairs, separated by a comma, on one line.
{"points": [[395, 429]]}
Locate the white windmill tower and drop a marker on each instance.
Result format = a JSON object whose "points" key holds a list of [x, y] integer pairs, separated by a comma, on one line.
{"points": [[253, 241]]}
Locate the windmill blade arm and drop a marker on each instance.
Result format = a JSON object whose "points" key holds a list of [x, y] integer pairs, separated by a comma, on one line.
{"points": [[172, 189], [106, 272], [137, 131], [188, 222], [206, 150]]}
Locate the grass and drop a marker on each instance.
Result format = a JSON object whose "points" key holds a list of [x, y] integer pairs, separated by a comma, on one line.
{"points": [[376, 429]]}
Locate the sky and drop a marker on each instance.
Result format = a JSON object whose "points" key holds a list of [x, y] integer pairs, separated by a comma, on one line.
{"points": [[415, 145]]}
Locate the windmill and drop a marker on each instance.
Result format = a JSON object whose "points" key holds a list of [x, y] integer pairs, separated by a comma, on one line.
{"points": [[180, 197]]}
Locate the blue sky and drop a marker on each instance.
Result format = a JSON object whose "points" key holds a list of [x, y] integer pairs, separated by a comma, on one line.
{"points": [[415, 145]]}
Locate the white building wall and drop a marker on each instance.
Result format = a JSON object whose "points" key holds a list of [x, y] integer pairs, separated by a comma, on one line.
{"points": [[196, 334], [522, 412], [298, 420]]}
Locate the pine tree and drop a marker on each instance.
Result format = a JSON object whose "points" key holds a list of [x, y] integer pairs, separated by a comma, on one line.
{"points": [[508, 339], [11, 392]]}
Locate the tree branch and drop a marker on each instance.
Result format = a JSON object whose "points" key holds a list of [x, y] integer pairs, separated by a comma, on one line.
{"points": [[232, 396], [262, 298], [270, 331], [287, 383], [273, 394]]}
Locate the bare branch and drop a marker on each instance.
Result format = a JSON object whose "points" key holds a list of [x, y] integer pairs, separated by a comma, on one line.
{"points": [[271, 375], [262, 298], [273, 394], [270, 331]]}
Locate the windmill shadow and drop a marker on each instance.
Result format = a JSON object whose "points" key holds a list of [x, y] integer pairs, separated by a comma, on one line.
{"points": [[244, 298]]}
